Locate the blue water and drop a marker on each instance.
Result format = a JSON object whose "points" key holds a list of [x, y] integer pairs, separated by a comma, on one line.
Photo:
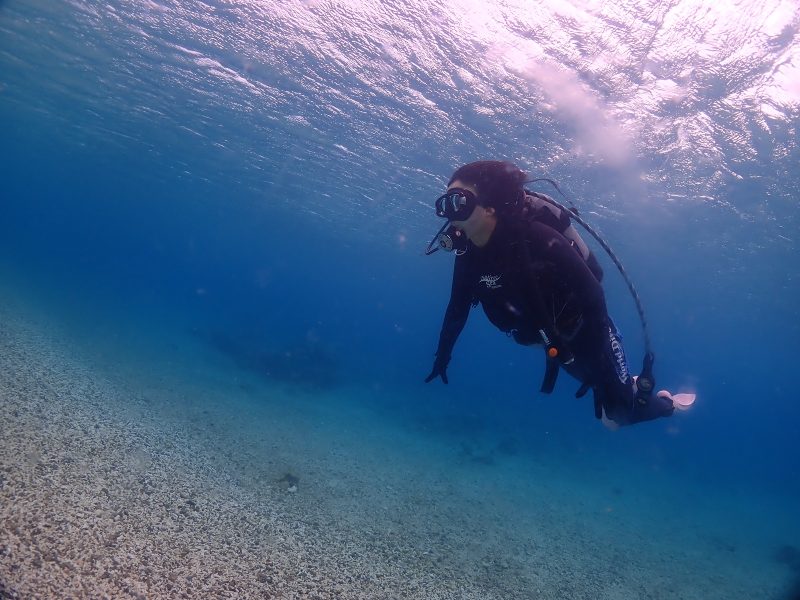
{"points": [[257, 177]]}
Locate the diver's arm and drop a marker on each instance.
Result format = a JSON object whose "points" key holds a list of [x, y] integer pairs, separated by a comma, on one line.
{"points": [[455, 317]]}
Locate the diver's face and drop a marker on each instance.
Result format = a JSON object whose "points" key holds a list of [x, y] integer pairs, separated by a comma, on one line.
{"points": [[479, 218]]}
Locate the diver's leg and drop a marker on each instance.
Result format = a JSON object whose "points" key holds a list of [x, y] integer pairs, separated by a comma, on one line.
{"points": [[612, 383]]}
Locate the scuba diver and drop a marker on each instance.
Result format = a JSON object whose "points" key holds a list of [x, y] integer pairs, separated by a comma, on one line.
{"points": [[519, 256]]}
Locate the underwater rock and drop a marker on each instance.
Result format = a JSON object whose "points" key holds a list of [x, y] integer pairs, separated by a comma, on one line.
{"points": [[290, 481]]}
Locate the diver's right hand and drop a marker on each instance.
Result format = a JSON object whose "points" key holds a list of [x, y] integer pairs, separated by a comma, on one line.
{"points": [[439, 370]]}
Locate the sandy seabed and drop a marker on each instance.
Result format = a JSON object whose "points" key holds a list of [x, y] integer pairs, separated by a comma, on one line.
{"points": [[161, 485], [99, 501]]}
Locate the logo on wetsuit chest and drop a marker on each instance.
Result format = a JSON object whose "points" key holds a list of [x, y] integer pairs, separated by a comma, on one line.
{"points": [[491, 281]]}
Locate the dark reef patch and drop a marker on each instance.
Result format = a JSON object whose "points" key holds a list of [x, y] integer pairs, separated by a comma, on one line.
{"points": [[471, 453], [307, 364], [788, 555], [794, 591]]}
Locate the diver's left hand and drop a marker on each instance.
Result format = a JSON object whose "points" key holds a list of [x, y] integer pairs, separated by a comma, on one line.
{"points": [[439, 370]]}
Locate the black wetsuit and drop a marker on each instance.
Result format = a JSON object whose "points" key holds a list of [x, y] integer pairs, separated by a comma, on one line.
{"points": [[528, 278]]}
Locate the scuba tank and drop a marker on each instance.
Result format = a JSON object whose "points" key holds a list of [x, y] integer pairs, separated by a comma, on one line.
{"points": [[530, 205], [540, 207]]}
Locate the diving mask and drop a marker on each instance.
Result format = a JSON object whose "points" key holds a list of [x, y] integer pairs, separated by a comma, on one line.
{"points": [[456, 204]]}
